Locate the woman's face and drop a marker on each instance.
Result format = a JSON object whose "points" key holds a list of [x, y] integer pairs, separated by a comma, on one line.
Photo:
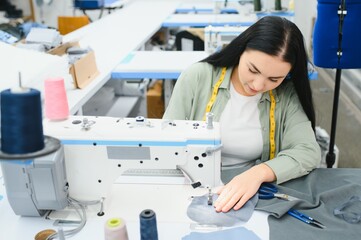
{"points": [[259, 72]]}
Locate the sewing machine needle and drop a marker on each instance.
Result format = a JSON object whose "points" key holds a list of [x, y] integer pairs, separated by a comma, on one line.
{"points": [[210, 199]]}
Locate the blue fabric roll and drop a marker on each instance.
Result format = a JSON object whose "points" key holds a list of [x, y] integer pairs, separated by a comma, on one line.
{"points": [[326, 35]]}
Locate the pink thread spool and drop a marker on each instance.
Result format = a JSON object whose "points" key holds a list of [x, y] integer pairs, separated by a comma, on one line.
{"points": [[115, 229], [56, 102]]}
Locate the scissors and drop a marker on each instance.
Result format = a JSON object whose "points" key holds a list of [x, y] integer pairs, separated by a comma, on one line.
{"points": [[269, 191], [304, 218]]}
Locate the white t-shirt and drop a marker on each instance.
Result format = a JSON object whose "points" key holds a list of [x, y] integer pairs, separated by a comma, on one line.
{"points": [[241, 134]]}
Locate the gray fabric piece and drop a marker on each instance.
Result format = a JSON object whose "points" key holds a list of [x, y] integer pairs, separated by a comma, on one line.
{"points": [[202, 213], [321, 192], [229, 234], [350, 211]]}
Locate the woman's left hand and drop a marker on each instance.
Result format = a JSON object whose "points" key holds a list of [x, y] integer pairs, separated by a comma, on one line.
{"points": [[242, 187]]}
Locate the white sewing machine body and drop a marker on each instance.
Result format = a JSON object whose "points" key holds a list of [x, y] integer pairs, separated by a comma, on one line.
{"points": [[215, 38], [100, 149]]}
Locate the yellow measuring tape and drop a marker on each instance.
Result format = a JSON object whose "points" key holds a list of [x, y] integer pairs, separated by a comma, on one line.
{"points": [[215, 92], [272, 126], [271, 114]]}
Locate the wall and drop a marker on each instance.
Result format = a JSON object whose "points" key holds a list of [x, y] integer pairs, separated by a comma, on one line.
{"points": [[48, 13], [305, 11]]}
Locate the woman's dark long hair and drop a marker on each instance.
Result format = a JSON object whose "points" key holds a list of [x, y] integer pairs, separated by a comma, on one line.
{"points": [[275, 36]]}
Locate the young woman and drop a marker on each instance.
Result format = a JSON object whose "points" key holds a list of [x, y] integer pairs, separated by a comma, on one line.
{"points": [[262, 99]]}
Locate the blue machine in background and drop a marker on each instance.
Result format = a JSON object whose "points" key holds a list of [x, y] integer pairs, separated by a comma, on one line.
{"points": [[89, 4], [101, 5]]}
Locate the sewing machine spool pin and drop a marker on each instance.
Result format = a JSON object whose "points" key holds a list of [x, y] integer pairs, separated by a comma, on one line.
{"points": [[87, 124]]}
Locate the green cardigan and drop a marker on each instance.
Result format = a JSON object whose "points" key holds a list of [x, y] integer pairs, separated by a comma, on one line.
{"points": [[297, 151]]}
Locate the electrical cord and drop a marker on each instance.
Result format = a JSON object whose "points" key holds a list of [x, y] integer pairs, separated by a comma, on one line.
{"points": [[79, 207]]}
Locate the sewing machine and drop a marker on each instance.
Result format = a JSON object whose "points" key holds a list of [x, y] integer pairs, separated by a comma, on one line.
{"points": [[95, 151], [215, 38], [100, 149]]}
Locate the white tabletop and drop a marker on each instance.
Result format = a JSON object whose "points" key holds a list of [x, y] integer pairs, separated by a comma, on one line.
{"points": [[203, 20], [169, 202], [160, 64], [209, 6], [156, 64], [201, 7], [114, 3]]}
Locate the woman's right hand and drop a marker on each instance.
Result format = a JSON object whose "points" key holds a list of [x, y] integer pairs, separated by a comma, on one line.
{"points": [[242, 187]]}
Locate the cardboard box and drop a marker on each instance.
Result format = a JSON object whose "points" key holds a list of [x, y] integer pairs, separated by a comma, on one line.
{"points": [[84, 70], [155, 101], [67, 24]]}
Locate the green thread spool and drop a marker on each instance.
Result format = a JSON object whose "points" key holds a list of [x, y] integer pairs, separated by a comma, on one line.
{"points": [[257, 5], [278, 5]]}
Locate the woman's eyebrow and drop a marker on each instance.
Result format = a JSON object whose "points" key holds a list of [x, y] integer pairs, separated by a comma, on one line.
{"points": [[257, 70]]}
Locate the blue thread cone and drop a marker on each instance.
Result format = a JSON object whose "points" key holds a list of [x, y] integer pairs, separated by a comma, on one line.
{"points": [[21, 122], [148, 225]]}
